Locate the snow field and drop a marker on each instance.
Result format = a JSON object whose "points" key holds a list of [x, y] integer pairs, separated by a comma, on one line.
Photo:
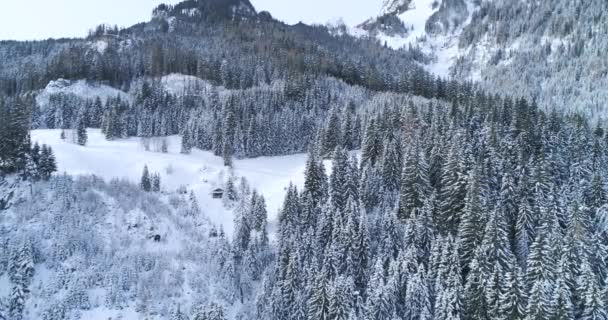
{"points": [[199, 171]]}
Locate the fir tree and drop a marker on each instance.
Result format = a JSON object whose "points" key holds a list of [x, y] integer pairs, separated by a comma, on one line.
{"points": [[415, 185], [145, 182], [155, 182], [319, 302], [81, 132]]}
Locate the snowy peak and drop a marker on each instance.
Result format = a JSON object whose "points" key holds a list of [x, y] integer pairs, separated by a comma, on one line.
{"points": [[394, 6], [209, 9]]}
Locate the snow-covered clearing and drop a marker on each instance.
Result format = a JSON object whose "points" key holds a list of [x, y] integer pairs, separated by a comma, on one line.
{"points": [[81, 88], [199, 171]]}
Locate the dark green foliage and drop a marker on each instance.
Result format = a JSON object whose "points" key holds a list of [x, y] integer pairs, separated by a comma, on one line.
{"points": [[146, 182]]}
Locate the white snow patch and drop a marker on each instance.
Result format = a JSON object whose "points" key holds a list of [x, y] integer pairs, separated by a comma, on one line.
{"points": [[415, 18], [177, 83], [5, 286], [100, 46], [81, 88], [191, 12]]}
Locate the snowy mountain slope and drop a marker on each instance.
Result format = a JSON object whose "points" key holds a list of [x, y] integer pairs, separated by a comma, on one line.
{"points": [[394, 6], [549, 51], [430, 25], [199, 171]]}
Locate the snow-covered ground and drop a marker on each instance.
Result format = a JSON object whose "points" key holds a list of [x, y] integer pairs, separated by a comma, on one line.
{"points": [[80, 88], [415, 20], [199, 171]]}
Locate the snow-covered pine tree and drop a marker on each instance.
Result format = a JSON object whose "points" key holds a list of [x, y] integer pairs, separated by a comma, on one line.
{"points": [[81, 132], [145, 182]]}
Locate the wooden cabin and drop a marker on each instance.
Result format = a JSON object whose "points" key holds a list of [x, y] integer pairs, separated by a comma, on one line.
{"points": [[217, 193]]}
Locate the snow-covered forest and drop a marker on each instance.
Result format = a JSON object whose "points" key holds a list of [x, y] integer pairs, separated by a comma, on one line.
{"points": [[215, 163]]}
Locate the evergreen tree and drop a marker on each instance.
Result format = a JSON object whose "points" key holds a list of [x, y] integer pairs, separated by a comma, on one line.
{"points": [[512, 296], [186, 147], [81, 132], [391, 168], [340, 305], [453, 191], [319, 302], [332, 135], [47, 163], [315, 183], [470, 230], [372, 148], [338, 179], [145, 183], [415, 185], [594, 297], [155, 182]]}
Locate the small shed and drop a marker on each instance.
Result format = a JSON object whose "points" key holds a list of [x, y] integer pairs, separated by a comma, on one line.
{"points": [[217, 193]]}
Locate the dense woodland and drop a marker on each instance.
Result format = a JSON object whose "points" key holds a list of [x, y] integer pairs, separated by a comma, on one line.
{"points": [[485, 210], [444, 201]]}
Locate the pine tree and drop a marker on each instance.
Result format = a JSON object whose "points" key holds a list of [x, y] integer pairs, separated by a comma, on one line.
{"points": [[228, 133], [561, 302], [470, 229], [319, 302], [338, 179], [47, 164], [16, 302], [315, 183], [524, 231], [453, 191], [475, 301], [186, 142], [418, 298], [594, 297], [539, 301], [415, 185], [81, 132], [177, 314], [379, 302], [155, 182], [512, 296], [31, 170], [332, 135], [145, 183], [340, 305], [372, 148], [541, 261], [391, 168]]}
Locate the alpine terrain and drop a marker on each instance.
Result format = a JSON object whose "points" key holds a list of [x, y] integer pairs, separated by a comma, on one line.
{"points": [[443, 159]]}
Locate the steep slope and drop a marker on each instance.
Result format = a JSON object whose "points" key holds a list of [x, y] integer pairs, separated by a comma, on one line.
{"points": [[550, 51], [431, 26]]}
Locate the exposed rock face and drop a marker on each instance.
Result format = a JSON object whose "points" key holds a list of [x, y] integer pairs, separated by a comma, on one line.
{"points": [[388, 24], [451, 15]]}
